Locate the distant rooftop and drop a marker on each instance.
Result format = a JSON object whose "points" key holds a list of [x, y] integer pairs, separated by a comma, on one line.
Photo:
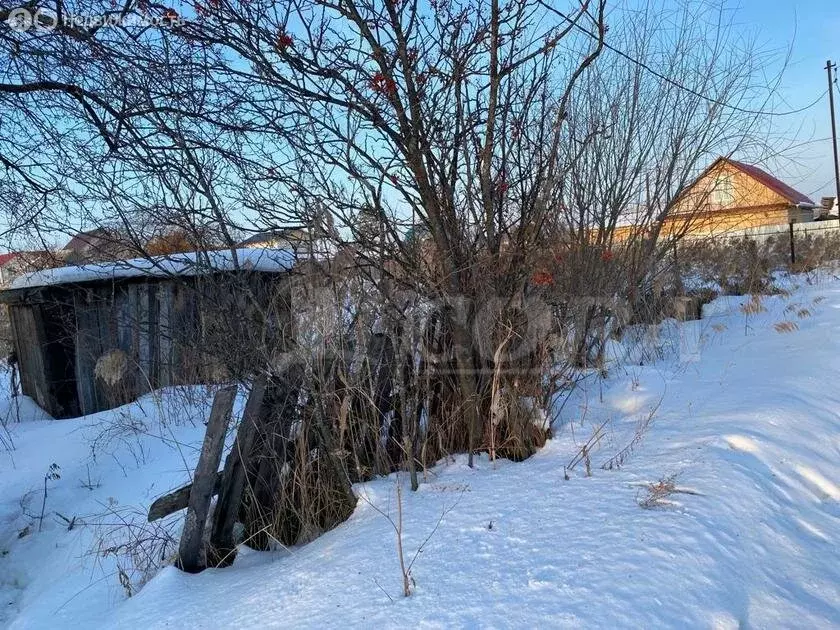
{"points": [[5, 258], [91, 239], [295, 233]]}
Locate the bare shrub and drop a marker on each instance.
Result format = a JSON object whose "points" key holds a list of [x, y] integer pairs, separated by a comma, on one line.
{"points": [[814, 251], [618, 460], [120, 431], [744, 265], [139, 548], [736, 266], [584, 453], [656, 494], [396, 522], [53, 474]]}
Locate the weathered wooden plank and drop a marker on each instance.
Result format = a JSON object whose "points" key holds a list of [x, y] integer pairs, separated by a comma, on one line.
{"points": [[177, 325], [30, 347], [86, 349], [90, 345], [165, 291], [24, 341], [154, 335], [123, 322], [189, 551], [43, 349], [222, 550], [177, 500], [101, 309], [104, 301], [144, 355], [134, 292]]}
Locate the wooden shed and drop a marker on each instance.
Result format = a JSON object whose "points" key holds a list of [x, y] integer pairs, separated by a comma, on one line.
{"points": [[93, 337]]}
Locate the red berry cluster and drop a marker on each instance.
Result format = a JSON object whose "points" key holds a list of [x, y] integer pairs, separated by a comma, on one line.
{"points": [[284, 41], [382, 84], [542, 279]]}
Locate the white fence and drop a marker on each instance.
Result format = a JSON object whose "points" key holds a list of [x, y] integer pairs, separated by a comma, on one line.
{"points": [[760, 234]]}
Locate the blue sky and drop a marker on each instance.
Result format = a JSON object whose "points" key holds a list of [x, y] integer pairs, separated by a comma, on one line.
{"points": [[810, 31], [811, 28]]}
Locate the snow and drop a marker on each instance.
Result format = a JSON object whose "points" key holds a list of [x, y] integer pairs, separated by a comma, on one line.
{"points": [[744, 416], [112, 465], [186, 264]]}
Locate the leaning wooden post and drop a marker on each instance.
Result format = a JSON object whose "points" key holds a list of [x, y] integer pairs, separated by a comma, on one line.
{"points": [[222, 549], [190, 551]]}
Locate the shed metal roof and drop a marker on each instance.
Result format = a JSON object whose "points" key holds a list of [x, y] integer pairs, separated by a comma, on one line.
{"points": [[186, 264]]}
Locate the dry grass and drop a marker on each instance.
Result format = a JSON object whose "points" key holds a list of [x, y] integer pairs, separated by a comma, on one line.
{"points": [[584, 453], [785, 327], [112, 367], [140, 549], [753, 306], [657, 494], [801, 311], [617, 461]]}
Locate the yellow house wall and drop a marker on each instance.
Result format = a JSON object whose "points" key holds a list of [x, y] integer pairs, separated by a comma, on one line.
{"points": [[715, 222], [722, 221]]}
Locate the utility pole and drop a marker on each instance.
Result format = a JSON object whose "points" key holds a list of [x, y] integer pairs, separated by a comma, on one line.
{"points": [[829, 67]]}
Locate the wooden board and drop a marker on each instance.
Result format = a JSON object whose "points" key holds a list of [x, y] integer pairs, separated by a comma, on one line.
{"points": [[29, 345], [222, 550], [88, 349], [164, 333], [190, 556]]}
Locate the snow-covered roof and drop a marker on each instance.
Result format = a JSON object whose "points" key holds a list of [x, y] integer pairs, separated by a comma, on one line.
{"points": [[186, 264]]}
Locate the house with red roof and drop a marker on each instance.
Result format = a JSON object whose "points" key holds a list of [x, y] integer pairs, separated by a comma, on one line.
{"points": [[16, 263], [731, 196], [7, 265]]}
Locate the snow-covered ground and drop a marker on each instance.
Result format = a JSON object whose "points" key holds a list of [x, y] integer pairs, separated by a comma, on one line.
{"points": [[744, 409]]}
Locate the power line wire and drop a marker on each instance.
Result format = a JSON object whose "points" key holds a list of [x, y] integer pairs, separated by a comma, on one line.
{"points": [[830, 181], [786, 149], [676, 84]]}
